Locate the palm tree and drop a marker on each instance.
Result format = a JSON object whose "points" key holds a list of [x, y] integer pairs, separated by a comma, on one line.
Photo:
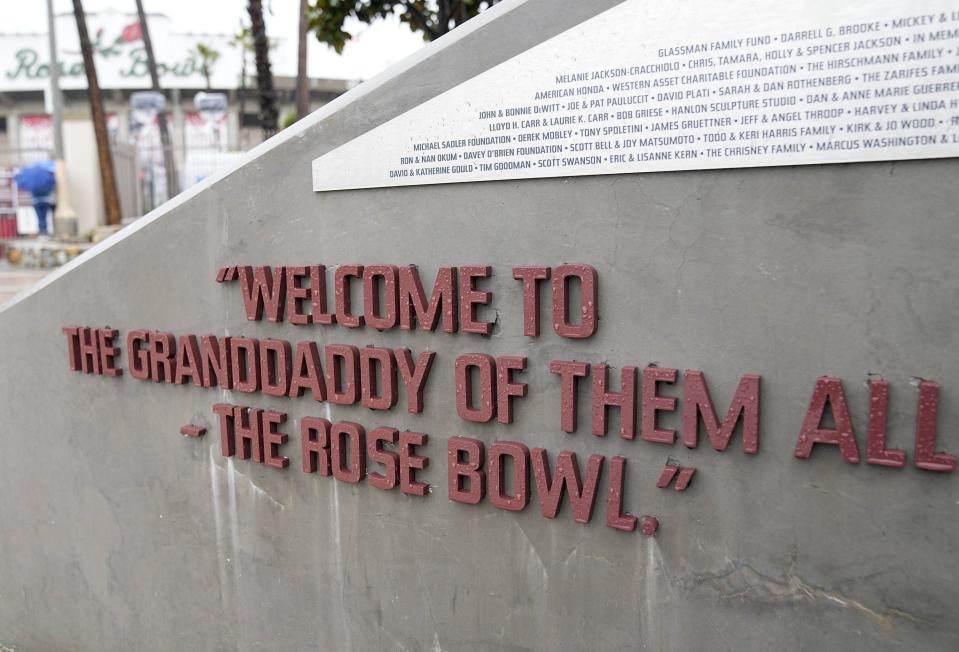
{"points": [[302, 82], [243, 40], [264, 77], [108, 181], [208, 58]]}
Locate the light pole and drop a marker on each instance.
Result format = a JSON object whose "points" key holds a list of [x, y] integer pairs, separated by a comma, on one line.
{"points": [[65, 218]]}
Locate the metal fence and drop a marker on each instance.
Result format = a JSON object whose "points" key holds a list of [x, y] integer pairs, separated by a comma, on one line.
{"points": [[13, 200], [139, 171], [193, 164], [128, 186], [16, 205]]}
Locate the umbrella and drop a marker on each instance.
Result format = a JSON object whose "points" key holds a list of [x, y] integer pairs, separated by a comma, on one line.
{"points": [[37, 178]]}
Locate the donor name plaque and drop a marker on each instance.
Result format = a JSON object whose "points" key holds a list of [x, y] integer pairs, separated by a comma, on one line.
{"points": [[690, 85]]}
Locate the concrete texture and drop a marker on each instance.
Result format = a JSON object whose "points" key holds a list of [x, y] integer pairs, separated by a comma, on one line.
{"points": [[120, 534]]}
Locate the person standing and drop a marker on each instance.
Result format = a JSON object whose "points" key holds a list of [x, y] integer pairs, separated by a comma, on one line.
{"points": [[44, 203], [39, 179]]}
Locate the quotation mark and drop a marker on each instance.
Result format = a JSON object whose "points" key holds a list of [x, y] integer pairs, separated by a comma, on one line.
{"points": [[225, 274], [682, 475]]}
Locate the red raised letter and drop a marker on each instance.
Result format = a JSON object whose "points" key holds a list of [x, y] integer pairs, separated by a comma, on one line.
{"points": [[414, 377], [614, 497], [108, 352], [354, 440], [506, 388], [876, 452], [625, 400], [138, 359], [530, 276], [248, 433], [926, 411], [550, 489], [696, 401], [259, 286], [587, 300], [307, 372], [73, 346], [342, 377], [377, 378], [568, 371], [375, 453], [227, 436], [464, 460], [470, 297], [341, 295], [828, 391], [272, 440], [315, 444], [413, 307], [372, 299], [653, 403], [410, 463], [296, 296], [498, 496], [244, 354], [464, 387]]}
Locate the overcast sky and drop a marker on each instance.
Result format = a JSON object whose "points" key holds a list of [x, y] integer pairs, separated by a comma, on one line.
{"points": [[373, 49]]}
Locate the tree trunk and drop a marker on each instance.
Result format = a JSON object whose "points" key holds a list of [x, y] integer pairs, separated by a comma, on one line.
{"points": [[264, 78], [302, 81], [169, 165], [443, 17], [110, 199], [242, 96]]}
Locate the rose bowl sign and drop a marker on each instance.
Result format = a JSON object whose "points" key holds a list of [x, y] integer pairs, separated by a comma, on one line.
{"points": [[119, 54]]}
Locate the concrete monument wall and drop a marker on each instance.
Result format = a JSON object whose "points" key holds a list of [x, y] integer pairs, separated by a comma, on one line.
{"points": [[121, 534]]}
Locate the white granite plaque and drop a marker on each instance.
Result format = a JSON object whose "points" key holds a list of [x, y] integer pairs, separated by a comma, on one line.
{"points": [[698, 84]]}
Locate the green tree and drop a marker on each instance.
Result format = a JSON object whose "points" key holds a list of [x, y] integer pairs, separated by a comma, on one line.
{"points": [[208, 58], [432, 18]]}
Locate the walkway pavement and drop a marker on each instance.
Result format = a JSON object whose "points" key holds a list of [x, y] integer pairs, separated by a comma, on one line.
{"points": [[14, 279]]}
